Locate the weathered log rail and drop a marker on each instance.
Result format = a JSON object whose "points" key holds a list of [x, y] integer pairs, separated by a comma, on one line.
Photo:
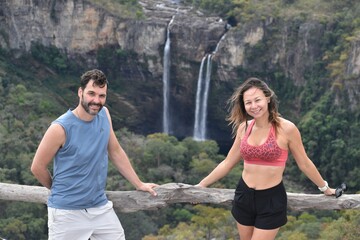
{"points": [[132, 201]]}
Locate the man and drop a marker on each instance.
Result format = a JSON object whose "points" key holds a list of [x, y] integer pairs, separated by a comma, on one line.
{"points": [[81, 141]]}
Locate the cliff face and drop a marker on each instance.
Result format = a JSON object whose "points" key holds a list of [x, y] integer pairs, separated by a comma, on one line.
{"points": [[80, 28]]}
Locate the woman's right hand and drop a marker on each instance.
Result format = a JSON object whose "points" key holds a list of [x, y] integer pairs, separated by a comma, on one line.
{"points": [[197, 185]]}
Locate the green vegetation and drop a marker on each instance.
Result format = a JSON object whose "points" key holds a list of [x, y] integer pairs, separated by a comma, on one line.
{"points": [[50, 56], [123, 8], [344, 16], [36, 88]]}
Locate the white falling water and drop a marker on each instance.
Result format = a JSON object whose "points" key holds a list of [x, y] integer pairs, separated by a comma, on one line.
{"points": [[202, 95], [198, 130], [205, 99], [166, 81]]}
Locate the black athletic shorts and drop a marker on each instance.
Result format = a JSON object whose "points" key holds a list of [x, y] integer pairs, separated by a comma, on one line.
{"points": [[264, 209]]}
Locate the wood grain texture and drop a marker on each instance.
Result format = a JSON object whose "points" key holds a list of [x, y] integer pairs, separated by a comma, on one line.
{"points": [[170, 193]]}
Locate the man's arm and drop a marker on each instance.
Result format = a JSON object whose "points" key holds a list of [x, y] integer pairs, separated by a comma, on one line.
{"points": [[53, 139], [119, 158]]}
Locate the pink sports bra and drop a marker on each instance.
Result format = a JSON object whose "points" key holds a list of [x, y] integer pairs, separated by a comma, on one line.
{"points": [[268, 153]]}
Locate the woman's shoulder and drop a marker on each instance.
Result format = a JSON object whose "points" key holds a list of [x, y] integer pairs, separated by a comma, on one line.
{"points": [[287, 126], [242, 128]]}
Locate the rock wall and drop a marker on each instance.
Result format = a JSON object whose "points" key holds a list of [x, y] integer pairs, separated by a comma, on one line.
{"points": [[80, 28]]}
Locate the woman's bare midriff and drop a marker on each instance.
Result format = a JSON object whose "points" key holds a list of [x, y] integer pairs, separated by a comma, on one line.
{"points": [[261, 177]]}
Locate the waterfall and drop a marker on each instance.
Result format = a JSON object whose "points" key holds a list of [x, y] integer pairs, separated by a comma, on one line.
{"points": [[202, 95], [199, 135], [166, 81]]}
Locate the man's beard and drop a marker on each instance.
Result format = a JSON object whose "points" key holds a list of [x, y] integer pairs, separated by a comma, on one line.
{"points": [[87, 105]]}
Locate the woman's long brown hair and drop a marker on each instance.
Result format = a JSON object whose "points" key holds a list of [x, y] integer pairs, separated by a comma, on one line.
{"points": [[238, 114]]}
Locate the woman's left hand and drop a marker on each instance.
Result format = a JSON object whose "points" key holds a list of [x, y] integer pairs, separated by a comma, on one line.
{"points": [[329, 192]]}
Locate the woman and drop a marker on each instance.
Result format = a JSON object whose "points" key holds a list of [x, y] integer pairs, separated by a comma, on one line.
{"points": [[260, 201]]}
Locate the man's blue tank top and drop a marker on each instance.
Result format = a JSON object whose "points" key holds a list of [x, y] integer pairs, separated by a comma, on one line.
{"points": [[81, 165]]}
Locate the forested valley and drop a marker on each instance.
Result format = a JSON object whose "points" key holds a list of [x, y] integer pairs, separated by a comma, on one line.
{"points": [[38, 86]]}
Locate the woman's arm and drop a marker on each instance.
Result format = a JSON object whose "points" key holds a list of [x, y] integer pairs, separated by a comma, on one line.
{"points": [[223, 168], [304, 163]]}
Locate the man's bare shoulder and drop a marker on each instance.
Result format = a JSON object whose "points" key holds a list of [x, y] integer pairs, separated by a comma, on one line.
{"points": [[56, 128]]}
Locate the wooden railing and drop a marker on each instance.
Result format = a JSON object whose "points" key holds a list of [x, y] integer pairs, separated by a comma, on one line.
{"points": [[132, 201]]}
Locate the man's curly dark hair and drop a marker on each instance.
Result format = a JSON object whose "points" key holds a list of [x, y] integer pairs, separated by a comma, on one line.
{"points": [[96, 75]]}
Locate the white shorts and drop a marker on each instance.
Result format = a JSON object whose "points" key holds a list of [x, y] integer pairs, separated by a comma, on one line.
{"points": [[99, 223]]}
